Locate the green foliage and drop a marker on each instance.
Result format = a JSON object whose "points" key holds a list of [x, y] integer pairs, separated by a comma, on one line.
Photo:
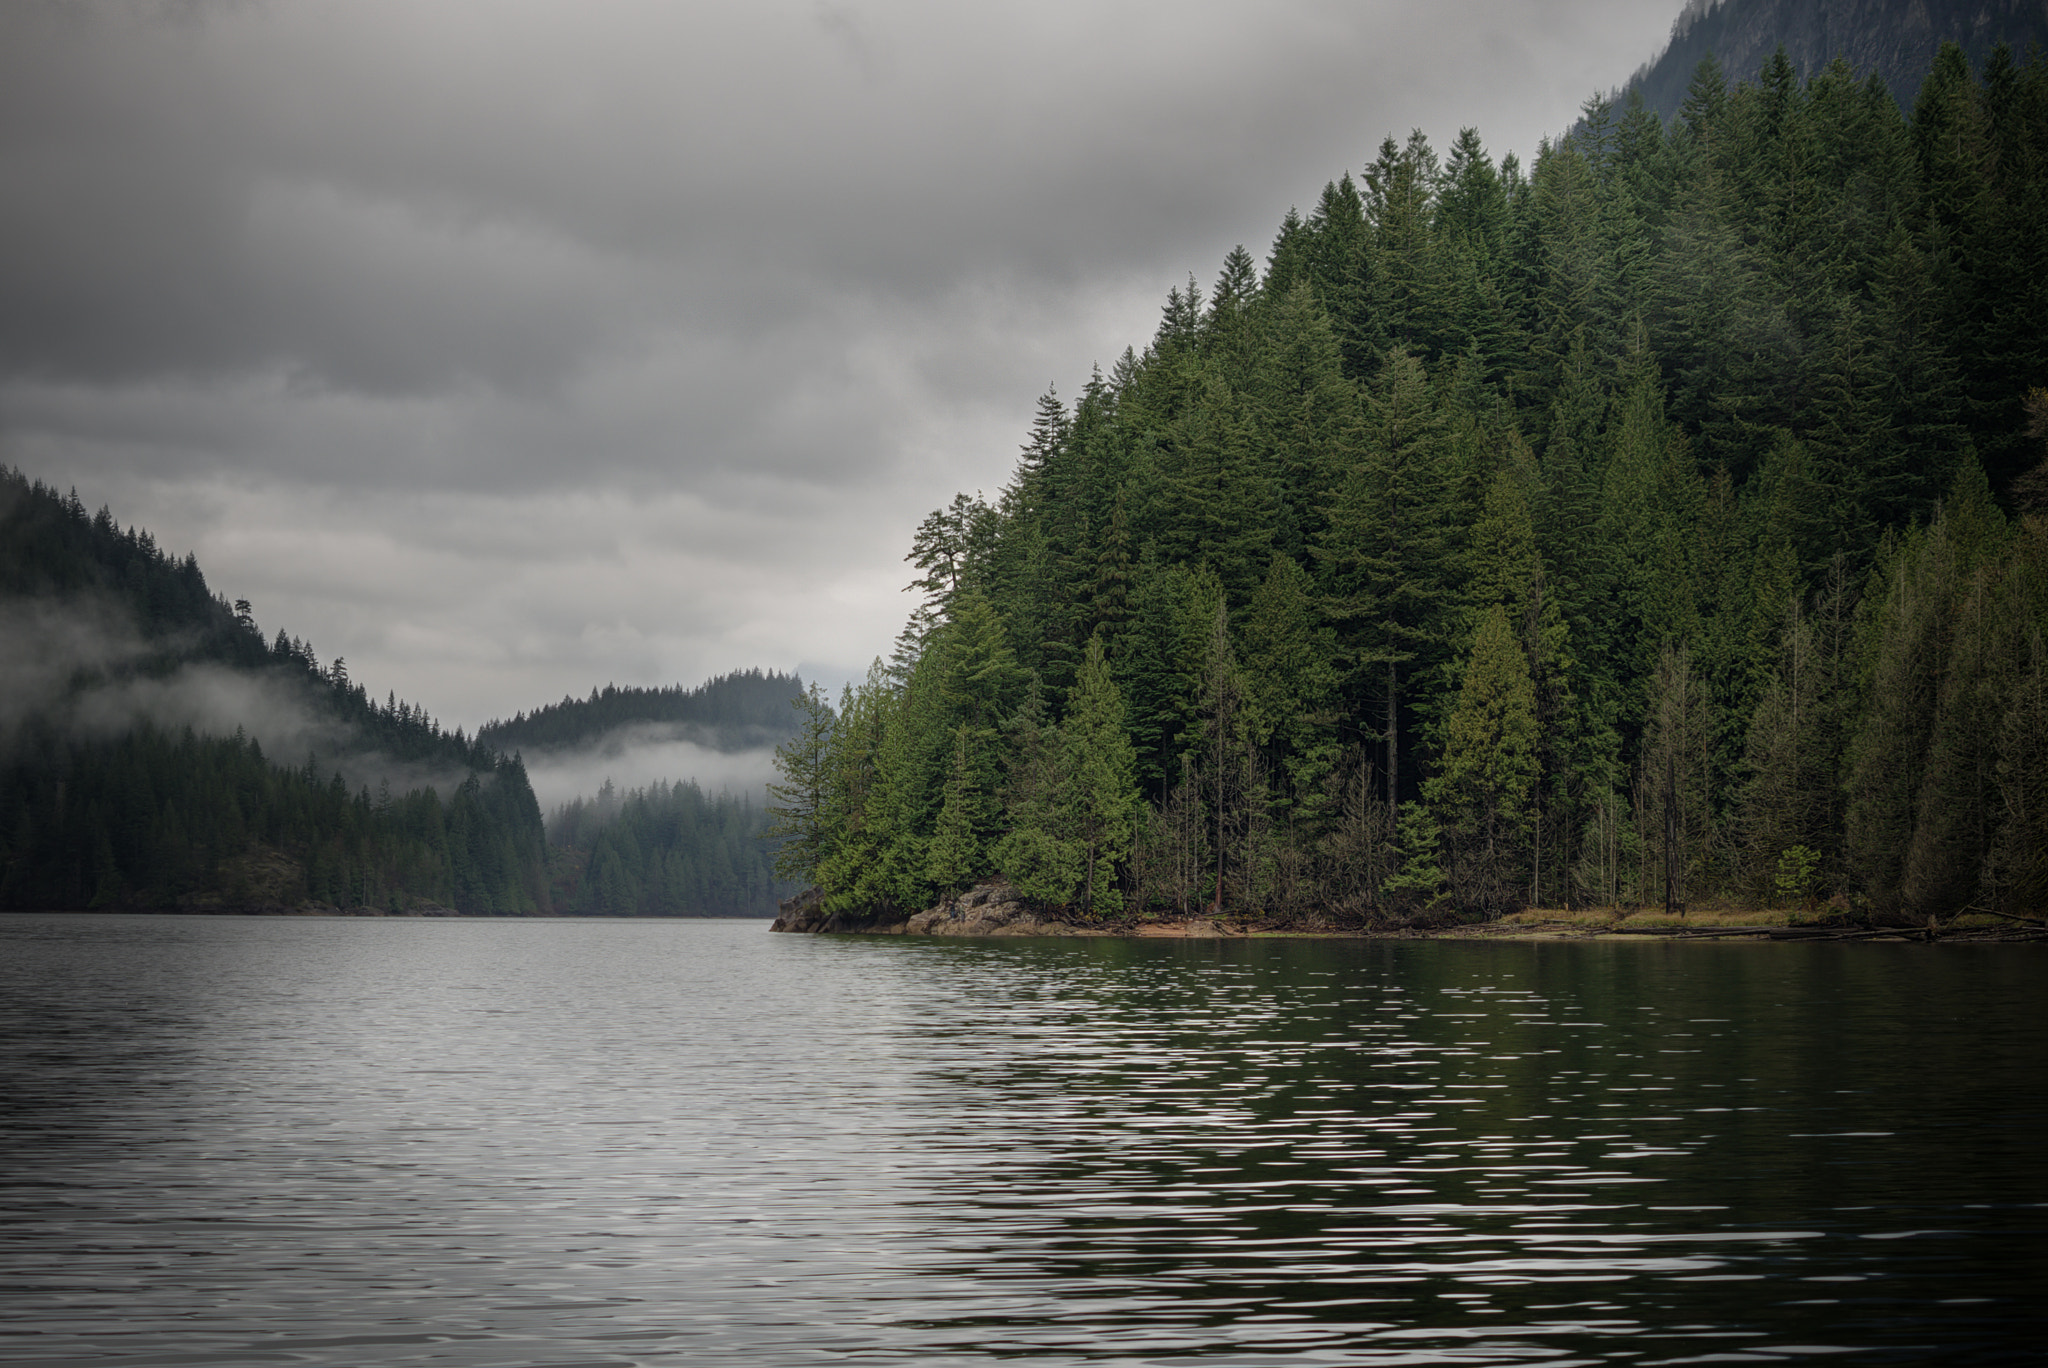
{"points": [[1796, 874], [668, 850], [1486, 783], [1601, 532], [1418, 878], [798, 809], [955, 854], [1098, 798]]}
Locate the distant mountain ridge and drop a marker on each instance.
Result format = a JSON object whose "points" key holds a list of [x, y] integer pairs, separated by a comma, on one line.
{"points": [[1892, 39], [744, 710]]}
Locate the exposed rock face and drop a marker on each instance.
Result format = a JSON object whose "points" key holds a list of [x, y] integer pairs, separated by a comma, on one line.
{"points": [[988, 910], [997, 909], [806, 912], [992, 909]]}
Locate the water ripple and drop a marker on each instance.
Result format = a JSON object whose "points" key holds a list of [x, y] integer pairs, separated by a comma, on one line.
{"points": [[297, 1142]]}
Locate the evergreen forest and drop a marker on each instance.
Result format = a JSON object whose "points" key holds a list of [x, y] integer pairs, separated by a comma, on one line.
{"points": [[744, 710], [667, 850], [1662, 522], [123, 812], [1888, 39]]}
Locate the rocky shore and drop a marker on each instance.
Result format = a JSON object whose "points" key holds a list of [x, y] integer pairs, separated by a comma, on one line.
{"points": [[997, 909], [985, 910]]}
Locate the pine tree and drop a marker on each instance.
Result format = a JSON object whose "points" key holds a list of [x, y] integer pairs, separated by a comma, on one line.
{"points": [[1099, 794], [1291, 681], [1485, 787], [1400, 200], [1305, 414], [1674, 802], [1384, 565], [1217, 496], [799, 808], [955, 854], [1342, 273]]}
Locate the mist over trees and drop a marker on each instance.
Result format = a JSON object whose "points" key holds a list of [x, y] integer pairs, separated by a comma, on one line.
{"points": [[744, 710], [1659, 522], [666, 850], [104, 805], [129, 780]]}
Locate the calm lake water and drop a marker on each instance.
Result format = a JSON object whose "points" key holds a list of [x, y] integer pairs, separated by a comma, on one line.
{"points": [[244, 1141]]}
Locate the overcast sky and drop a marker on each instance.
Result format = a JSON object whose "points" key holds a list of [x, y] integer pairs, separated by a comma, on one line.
{"points": [[510, 348]]}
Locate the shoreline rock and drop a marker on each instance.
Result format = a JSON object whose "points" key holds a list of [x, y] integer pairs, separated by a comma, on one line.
{"points": [[997, 909], [990, 909]]}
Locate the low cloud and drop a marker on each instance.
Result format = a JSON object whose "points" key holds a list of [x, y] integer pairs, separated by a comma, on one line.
{"points": [[79, 666], [634, 757], [280, 713], [46, 644]]}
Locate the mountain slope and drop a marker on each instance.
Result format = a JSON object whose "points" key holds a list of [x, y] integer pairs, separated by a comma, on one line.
{"points": [[142, 719], [1893, 39]]}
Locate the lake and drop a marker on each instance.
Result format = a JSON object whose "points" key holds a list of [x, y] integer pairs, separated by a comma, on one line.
{"points": [[298, 1141]]}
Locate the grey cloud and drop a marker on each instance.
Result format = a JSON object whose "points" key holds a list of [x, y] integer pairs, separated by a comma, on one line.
{"points": [[394, 199]]}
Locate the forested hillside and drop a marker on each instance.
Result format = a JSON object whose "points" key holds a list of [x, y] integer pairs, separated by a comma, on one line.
{"points": [[125, 780], [1659, 521], [1891, 39], [744, 710], [667, 850]]}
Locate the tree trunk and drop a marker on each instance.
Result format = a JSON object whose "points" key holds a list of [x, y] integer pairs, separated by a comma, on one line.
{"points": [[1393, 753], [1671, 835]]}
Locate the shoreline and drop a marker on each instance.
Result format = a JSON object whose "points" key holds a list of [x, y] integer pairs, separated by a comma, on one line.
{"points": [[995, 911]]}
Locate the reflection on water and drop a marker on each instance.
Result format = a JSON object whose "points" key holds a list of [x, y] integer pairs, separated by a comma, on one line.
{"points": [[235, 1141]]}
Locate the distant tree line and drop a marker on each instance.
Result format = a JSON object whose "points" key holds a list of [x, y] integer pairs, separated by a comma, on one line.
{"points": [[667, 850], [744, 710], [152, 820], [1661, 523]]}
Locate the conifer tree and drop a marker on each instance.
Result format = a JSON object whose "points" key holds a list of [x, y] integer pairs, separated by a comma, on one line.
{"points": [[955, 855], [1099, 791], [1291, 685], [1674, 798], [1485, 786], [1342, 272], [1385, 566], [799, 809]]}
